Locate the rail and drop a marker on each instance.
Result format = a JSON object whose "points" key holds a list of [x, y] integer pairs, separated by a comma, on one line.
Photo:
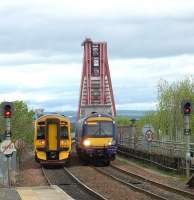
{"points": [[70, 184], [132, 186], [161, 185], [85, 187], [148, 187]]}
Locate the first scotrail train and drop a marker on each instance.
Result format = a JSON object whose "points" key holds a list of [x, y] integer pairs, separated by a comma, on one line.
{"points": [[52, 139], [95, 138]]}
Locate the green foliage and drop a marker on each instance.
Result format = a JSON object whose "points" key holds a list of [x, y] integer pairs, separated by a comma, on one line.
{"points": [[168, 119], [149, 118], [123, 121], [21, 122]]}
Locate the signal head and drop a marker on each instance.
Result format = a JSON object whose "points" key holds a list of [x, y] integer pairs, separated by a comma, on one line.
{"points": [[187, 108], [7, 109]]}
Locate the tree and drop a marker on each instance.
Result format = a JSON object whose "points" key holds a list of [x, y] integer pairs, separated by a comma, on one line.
{"points": [[123, 121]]}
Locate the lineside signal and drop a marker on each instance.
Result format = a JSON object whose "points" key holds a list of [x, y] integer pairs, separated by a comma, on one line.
{"points": [[187, 108]]}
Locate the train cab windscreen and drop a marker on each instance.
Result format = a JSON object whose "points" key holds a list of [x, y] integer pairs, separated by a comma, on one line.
{"points": [[103, 128], [64, 132], [41, 133]]}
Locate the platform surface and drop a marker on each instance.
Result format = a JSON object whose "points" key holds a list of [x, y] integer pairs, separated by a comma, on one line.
{"points": [[42, 193], [9, 194], [34, 193]]}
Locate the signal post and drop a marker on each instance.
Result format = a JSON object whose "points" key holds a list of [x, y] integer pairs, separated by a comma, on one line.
{"points": [[7, 147], [187, 109]]}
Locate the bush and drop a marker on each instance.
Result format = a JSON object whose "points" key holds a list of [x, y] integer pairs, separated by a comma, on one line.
{"points": [[123, 121]]}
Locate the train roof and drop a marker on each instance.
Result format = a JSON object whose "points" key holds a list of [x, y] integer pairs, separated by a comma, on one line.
{"points": [[58, 116], [96, 115]]}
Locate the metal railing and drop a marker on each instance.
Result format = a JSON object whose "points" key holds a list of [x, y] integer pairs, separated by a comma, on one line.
{"points": [[165, 153]]}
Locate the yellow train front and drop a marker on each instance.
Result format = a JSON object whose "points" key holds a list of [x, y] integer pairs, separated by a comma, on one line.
{"points": [[95, 138], [52, 139]]}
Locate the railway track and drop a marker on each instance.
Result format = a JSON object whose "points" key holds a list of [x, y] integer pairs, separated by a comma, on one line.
{"points": [[70, 184], [140, 184]]}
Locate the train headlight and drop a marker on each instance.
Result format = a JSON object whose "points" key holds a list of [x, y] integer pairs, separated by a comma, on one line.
{"points": [[63, 143], [86, 142], [113, 142], [41, 143]]}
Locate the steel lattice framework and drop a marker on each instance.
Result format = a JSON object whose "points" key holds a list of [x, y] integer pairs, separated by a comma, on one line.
{"points": [[96, 93]]}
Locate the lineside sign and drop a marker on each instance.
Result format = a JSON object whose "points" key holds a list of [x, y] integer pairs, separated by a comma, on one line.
{"points": [[149, 135], [7, 147]]}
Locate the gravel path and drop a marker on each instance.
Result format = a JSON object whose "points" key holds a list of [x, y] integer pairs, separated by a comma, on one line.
{"points": [[30, 172]]}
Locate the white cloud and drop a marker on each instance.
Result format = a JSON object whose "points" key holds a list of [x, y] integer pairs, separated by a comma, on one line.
{"points": [[41, 57], [137, 106], [30, 96], [132, 28], [134, 81], [40, 75], [21, 58], [152, 69], [105, 9]]}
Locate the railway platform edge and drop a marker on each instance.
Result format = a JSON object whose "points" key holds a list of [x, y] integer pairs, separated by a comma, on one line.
{"points": [[34, 193]]}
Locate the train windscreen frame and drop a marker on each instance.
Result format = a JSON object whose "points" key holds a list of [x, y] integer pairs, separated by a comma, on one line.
{"points": [[99, 129]]}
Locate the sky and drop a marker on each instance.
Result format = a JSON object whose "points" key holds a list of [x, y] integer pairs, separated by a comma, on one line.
{"points": [[41, 54]]}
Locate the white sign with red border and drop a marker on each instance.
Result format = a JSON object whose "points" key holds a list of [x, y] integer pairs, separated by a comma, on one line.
{"points": [[149, 135], [7, 147]]}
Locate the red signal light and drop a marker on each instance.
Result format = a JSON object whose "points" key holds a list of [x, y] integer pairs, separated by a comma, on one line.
{"points": [[7, 114], [187, 110]]}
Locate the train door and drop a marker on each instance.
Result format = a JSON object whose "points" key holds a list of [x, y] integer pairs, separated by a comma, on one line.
{"points": [[52, 137]]}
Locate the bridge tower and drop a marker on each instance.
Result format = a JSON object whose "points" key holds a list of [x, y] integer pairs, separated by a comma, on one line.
{"points": [[96, 93]]}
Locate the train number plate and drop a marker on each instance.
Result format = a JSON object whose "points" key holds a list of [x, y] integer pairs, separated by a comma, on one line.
{"points": [[52, 155]]}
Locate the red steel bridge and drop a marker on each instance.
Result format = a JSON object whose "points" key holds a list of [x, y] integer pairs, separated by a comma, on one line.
{"points": [[96, 93]]}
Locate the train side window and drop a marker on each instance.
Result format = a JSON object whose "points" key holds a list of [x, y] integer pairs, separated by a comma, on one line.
{"points": [[41, 133], [64, 132]]}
